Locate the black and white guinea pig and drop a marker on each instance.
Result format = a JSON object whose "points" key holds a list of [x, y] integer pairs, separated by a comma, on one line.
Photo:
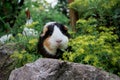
{"points": [[53, 40]]}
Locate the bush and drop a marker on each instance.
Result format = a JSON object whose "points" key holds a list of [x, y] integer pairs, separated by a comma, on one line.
{"points": [[23, 57], [106, 12], [97, 46], [41, 12], [27, 49]]}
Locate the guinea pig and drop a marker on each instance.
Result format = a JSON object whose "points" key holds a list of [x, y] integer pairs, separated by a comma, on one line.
{"points": [[53, 40]]}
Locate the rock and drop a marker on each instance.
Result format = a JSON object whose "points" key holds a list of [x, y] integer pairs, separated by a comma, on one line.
{"points": [[6, 63], [52, 69], [5, 51]]}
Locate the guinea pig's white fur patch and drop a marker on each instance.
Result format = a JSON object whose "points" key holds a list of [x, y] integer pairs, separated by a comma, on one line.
{"points": [[56, 41]]}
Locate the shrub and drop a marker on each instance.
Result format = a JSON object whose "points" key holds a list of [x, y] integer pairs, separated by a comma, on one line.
{"points": [[23, 57], [106, 12], [41, 13], [9, 12], [27, 49], [97, 46]]}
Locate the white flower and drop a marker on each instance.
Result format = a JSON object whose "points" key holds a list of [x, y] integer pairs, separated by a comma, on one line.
{"points": [[29, 21], [29, 32], [5, 38]]}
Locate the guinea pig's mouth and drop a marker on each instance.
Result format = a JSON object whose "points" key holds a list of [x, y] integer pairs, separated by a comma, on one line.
{"points": [[58, 45]]}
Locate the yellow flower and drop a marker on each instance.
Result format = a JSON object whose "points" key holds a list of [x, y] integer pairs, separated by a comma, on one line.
{"points": [[32, 25], [114, 60], [87, 58], [81, 21], [92, 58], [20, 56], [85, 43], [19, 34], [72, 57], [12, 38], [23, 51], [16, 54], [32, 41], [81, 50]]}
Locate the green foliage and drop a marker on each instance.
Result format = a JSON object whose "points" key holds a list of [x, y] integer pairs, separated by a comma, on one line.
{"points": [[62, 6], [41, 12], [87, 26], [23, 57], [97, 46], [27, 49], [106, 12], [8, 14], [97, 8], [97, 42]]}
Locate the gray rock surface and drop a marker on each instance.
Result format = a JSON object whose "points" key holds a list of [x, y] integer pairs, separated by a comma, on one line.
{"points": [[52, 69], [5, 61]]}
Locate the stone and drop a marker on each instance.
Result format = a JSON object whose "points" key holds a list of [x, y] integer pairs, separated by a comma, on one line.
{"points": [[53, 69], [6, 62]]}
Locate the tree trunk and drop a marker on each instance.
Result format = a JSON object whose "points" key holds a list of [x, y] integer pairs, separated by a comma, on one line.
{"points": [[73, 17]]}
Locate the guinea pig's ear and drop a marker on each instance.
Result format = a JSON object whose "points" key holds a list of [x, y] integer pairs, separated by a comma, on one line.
{"points": [[65, 28], [45, 29]]}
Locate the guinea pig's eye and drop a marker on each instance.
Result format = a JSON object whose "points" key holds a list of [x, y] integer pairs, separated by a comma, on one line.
{"points": [[50, 33], [50, 30], [64, 31]]}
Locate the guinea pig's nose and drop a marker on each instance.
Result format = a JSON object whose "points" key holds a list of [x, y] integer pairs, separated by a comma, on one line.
{"points": [[58, 41]]}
